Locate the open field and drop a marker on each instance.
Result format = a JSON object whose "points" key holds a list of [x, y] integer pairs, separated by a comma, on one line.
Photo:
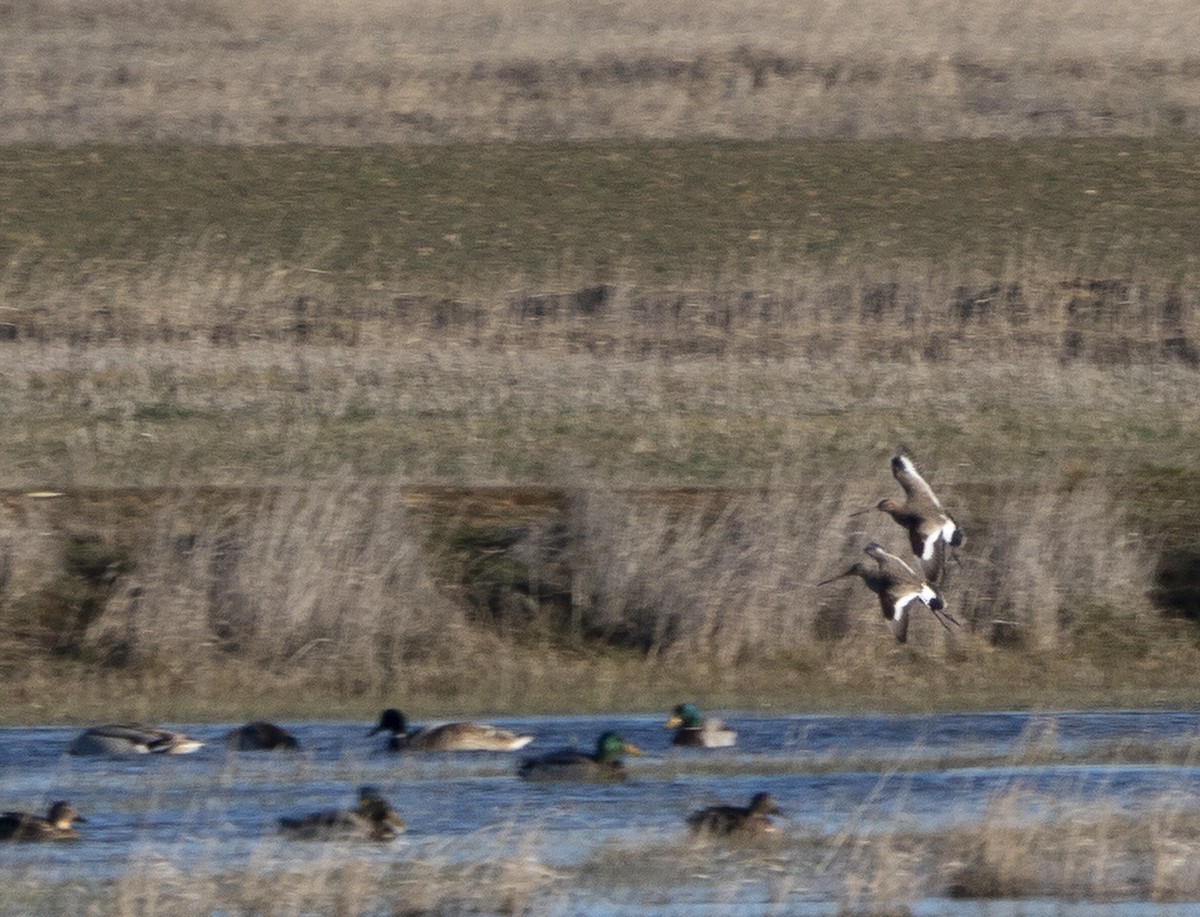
{"points": [[362, 375], [368, 71], [123, 237], [693, 389]]}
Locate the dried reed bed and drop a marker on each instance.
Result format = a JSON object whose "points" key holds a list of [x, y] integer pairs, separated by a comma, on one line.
{"points": [[807, 417], [1029, 845], [331, 579], [335, 583], [372, 72], [938, 312], [736, 579]]}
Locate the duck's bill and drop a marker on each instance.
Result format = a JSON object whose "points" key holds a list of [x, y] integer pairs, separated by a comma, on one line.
{"points": [[630, 749], [673, 722]]}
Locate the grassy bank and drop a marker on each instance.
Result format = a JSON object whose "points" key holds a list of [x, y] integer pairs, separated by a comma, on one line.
{"points": [[334, 599], [348, 424], [485, 218]]}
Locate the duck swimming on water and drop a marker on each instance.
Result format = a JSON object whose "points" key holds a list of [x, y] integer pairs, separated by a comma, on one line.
{"points": [[132, 739], [570, 764], [446, 737], [371, 820], [261, 736], [56, 826], [694, 731], [753, 819]]}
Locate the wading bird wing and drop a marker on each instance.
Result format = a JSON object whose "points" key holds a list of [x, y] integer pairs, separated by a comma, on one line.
{"points": [[915, 487], [895, 609], [891, 565], [932, 554]]}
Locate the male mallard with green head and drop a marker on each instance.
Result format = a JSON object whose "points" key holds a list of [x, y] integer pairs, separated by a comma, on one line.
{"points": [[56, 826], [694, 731], [570, 764], [446, 737]]}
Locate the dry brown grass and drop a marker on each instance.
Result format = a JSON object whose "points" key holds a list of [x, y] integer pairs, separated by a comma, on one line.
{"points": [[786, 385], [342, 586], [940, 311], [510, 883], [306, 549], [372, 72], [1066, 850], [331, 579]]}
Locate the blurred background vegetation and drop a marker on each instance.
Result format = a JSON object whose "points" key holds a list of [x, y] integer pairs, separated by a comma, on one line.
{"points": [[535, 354]]}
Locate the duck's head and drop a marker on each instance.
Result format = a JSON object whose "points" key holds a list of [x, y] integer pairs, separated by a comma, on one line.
{"points": [[685, 715], [611, 746], [372, 806], [62, 814], [391, 720], [763, 804]]}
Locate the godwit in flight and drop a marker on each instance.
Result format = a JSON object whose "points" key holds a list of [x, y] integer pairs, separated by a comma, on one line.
{"points": [[898, 586], [931, 530]]}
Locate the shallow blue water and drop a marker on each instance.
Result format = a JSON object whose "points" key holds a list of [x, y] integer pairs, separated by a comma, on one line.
{"points": [[213, 809]]}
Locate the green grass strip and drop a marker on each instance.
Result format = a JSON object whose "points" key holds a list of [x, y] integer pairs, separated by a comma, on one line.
{"points": [[437, 217]]}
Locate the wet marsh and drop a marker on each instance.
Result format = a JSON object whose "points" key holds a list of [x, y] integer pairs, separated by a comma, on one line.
{"points": [[869, 825]]}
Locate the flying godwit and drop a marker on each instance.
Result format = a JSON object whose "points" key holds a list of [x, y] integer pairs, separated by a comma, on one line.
{"points": [[898, 586], [931, 530]]}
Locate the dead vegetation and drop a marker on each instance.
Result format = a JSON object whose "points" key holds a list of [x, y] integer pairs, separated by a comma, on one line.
{"points": [[1030, 846], [928, 312], [367, 72], [358, 585]]}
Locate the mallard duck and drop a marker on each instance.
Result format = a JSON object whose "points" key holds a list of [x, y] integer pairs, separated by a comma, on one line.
{"points": [[260, 736], [56, 826], [447, 737], [693, 730], [571, 764], [735, 820], [132, 739], [373, 819]]}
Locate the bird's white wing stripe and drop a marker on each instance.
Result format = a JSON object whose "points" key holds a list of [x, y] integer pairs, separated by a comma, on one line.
{"points": [[918, 483], [903, 601], [902, 564], [929, 548]]}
